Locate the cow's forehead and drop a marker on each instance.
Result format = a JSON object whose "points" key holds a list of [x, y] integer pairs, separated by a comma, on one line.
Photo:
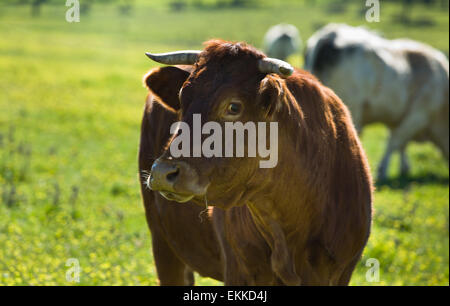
{"points": [[218, 71], [212, 86]]}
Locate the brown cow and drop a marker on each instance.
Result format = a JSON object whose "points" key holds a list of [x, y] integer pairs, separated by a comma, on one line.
{"points": [[303, 222]]}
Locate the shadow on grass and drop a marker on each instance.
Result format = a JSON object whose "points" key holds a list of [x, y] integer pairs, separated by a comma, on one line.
{"points": [[402, 182]]}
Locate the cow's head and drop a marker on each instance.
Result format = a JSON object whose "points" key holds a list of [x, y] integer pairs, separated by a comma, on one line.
{"points": [[230, 82]]}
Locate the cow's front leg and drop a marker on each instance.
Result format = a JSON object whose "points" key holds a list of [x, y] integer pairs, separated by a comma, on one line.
{"points": [[281, 259], [233, 274], [171, 271]]}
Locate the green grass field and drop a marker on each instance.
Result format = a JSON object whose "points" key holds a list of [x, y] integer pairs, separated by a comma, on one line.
{"points": [[71, 99]]}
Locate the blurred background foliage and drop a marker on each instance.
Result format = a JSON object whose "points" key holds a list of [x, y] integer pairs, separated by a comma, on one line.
{"points": [[71, 99]]}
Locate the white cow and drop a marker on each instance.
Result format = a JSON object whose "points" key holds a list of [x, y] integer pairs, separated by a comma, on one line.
{"points": [[281, 41], [401, 83]]}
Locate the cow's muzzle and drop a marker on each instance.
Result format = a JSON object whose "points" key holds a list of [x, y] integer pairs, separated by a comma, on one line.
{"points": [[175, 180]]}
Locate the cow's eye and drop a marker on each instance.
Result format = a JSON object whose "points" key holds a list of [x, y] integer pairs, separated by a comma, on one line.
{"points": [[234, 108]]}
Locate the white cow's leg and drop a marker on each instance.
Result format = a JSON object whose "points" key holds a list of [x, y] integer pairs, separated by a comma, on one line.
{"points": [[382, 168], [400, 136], [404, 162]]}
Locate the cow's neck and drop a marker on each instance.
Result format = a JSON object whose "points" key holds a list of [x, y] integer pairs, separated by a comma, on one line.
{"points": [[282, 212], [291, 199]]}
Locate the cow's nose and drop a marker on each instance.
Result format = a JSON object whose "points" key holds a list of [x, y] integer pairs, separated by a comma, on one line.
{"points": [[163, 175], [176, 180]]}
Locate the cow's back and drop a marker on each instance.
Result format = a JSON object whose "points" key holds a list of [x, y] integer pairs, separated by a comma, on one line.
{"points": [[380, 80]]}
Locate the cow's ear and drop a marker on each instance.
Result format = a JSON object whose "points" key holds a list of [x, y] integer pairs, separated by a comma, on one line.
{"points": [[165, 83], [270, 94]]}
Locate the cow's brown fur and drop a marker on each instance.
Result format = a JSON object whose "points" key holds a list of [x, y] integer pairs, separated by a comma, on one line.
{"points": [[304, 222]]}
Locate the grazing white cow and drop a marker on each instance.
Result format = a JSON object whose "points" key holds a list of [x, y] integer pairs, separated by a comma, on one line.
{"points": [[281, 41], [401, 83]]}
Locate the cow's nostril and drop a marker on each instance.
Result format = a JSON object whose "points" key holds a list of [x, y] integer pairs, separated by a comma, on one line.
{"points": [[171, 177]]}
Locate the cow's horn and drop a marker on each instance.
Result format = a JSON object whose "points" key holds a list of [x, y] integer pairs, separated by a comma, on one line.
{"points": [[273, 65], [186, 57]]}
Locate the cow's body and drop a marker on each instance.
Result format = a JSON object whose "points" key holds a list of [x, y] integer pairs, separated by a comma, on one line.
{"points": [[281, 41], [306, 221], [401, 83]]}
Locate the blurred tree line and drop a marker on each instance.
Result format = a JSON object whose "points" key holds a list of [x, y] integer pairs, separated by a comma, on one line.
{"points": [[180, 4], [407, 7], [125, 7]]}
